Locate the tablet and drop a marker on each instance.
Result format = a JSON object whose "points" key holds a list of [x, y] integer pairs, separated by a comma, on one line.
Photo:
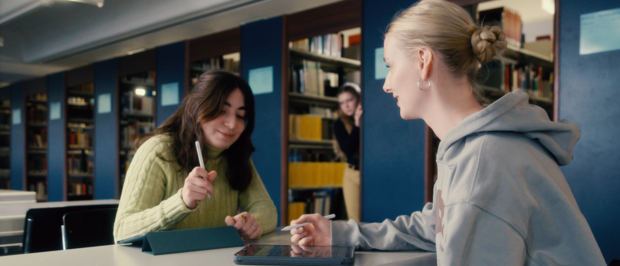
{"points": [[256, 254]]}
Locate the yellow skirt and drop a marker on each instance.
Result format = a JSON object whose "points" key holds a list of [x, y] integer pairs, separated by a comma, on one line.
{"points": [[351, 191]]}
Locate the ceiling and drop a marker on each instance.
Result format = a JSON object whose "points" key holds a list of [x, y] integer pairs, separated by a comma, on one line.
{"points": [[57, 35]]}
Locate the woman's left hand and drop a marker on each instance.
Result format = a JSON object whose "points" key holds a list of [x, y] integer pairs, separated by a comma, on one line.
{"points": [[358, 115], [246, 224]]}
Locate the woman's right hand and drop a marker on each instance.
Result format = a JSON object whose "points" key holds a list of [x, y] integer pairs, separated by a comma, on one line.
{"points": [[197, 185], [357, 116], [316, 234]]}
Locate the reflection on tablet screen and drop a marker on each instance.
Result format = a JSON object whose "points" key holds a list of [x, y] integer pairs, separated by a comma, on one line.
{"points": [[295, 251]]}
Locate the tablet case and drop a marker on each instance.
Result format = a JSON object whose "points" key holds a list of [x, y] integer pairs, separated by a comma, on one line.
{"points": [[168, 242]]}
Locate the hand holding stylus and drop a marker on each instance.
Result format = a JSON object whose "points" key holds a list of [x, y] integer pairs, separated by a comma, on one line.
{"points": [[198, 185], [317, 233]]}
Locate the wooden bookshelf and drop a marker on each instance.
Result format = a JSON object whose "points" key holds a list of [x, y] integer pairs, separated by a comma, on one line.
{"points": [[80, 140], [5, 139], [136, 107], [217, 51], [36, 137], [327, 21]]}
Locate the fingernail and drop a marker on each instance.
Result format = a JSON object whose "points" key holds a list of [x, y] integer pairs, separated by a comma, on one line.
{"points": [[309, 238]]}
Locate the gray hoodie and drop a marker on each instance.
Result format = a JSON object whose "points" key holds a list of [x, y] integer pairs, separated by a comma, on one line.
{"points": [[500, 197]]}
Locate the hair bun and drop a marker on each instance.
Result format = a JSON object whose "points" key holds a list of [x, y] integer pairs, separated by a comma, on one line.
{"points": [[487, 42]]}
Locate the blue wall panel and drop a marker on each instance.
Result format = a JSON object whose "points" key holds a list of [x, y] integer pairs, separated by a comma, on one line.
{"points": [[589, 96], [18, 137], [393, 149], [170, 69], [106, 132], [56, 139], [261, 46]]}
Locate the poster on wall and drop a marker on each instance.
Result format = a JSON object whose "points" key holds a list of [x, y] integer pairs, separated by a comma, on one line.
{"points": [[599, 32], [261, 80]]}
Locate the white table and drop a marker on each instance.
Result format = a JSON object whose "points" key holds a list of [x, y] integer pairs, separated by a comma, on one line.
{"points": [[126, 255]]}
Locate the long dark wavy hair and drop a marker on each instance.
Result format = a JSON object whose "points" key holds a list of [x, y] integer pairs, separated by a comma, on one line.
{"points": [[204, 103]]}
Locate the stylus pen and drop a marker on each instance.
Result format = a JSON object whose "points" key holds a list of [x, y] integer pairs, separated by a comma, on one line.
{"points": [[290, 227], [202, 163]]}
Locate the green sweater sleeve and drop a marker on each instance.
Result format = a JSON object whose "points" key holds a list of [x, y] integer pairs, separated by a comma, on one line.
{"points": [[141, 208], [256, 201]]}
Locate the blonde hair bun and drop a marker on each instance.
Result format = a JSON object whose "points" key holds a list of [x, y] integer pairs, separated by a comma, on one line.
{"points": [[487, 42]]}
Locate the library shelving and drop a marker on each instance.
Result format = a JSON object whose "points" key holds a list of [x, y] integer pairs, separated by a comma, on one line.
{"points": [[322, 52], [137, 105], [36, 138], [5, 139], [137, 114], [79, 134], [218, 51]]}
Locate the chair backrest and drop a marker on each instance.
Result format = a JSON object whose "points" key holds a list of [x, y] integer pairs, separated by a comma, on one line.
{"points": [[89, 228], [42, 226]]}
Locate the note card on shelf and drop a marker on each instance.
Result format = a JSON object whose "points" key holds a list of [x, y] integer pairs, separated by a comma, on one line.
{"points": [[381, 69], [55, 111], [170, 94], [104, 103], [17, 116], [599, 32], [261, 80]]}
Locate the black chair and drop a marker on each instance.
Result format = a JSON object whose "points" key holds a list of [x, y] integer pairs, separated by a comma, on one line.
{"points": [[42, 227], [89, 228]]}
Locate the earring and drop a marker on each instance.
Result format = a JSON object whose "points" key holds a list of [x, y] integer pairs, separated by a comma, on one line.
{"points": [[429, 84]]}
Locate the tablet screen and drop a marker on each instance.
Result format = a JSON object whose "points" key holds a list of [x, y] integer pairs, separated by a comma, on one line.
{"points": [[296, 251]]}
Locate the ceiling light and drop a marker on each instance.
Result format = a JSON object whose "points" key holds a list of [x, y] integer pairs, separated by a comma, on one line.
{"points": [[549, 6], [98, 3], [135, 51], [140, 91]]}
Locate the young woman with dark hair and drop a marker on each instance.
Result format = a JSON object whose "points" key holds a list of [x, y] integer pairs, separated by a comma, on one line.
{"points": [[159, 194]]}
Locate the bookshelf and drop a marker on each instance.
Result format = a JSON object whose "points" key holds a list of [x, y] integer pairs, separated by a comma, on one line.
{"points": [[137, 112], [217, 51], [36, 144], [318, 59], [524, 65], [5, 139], [79, 150]]}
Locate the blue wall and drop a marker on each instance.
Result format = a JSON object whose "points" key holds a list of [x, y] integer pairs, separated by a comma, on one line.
{"points": [[589, 96], [18, 137], [56, 138], [393, 149], [170, 68], [106, 132], [261, 46]]}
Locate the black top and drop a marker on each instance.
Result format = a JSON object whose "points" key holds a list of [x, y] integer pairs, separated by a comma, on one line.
{"points": [[349, 142]]}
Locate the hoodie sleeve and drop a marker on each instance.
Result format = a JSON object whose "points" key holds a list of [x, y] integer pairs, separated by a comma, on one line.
{"points": [[476, 237], [405, 233]]}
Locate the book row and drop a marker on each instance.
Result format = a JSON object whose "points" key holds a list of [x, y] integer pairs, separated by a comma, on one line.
{"points": [[315, 174]]}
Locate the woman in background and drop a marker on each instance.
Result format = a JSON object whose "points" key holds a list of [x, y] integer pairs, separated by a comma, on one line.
{"points": [[500, 197], [159, 194], [347, 132]]}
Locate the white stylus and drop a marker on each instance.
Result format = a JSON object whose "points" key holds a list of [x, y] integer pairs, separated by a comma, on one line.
{"points": [[202, 163], [290, 227]]}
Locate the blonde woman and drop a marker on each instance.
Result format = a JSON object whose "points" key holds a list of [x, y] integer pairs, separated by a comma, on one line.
{"points": [[500, 197], [347, 133]]}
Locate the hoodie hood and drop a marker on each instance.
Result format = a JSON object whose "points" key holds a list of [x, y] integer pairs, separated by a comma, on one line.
{"points": [[513, 113]]}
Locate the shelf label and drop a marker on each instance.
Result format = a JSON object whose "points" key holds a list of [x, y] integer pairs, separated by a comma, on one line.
{"points": [[261, 80], [170, 94], [381, 69], [104, 103], [600, 32], [17, 116], [55, 111]]}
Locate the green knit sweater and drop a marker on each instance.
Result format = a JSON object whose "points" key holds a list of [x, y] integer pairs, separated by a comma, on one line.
{"points": [[151, 198]]}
